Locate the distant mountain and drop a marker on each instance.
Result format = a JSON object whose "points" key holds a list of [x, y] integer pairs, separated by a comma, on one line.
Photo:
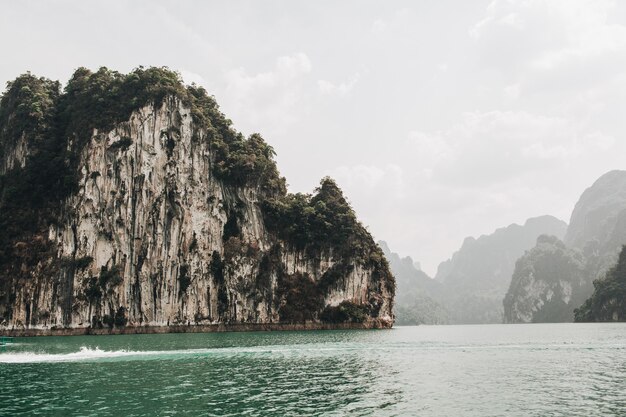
{"points": [[476, 278], [549, 281], [414, 289], [608, 301], [594, 239]]}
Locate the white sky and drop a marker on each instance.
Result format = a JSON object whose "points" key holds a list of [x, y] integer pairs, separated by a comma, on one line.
{"points": [[439, 119]]}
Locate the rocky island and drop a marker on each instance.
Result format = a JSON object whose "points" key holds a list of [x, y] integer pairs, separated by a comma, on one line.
{"points": [[129, 203]]}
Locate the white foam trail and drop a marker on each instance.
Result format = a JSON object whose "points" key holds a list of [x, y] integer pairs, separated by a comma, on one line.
{"points": [[84, 353], [89, 354], [94, 354]]}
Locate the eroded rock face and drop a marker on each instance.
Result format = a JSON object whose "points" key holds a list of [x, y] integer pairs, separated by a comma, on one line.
{"points": [[152, 237]]}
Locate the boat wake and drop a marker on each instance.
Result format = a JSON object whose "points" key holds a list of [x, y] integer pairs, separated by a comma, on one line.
{"points": [[97, 354], [87, 354]]}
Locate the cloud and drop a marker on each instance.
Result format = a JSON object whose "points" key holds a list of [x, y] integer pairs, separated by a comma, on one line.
{"points": [[552, 44], [286, 70], [190, 77], [341, 89], [459, 119], [512, 91], [268, 101], [487, 171], [366, 179], [486, 148], [399, 20], [379, 26]]}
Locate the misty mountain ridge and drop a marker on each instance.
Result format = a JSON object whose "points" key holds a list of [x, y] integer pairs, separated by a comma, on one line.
{"points": [[555, 277], [539, 271], [477, 276], [508, 243], [469, 287], [414, 292]]}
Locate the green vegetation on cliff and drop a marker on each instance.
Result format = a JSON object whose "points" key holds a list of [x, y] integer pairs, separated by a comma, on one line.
{"points": [[28, 120], [325, 223], [608, 301]]}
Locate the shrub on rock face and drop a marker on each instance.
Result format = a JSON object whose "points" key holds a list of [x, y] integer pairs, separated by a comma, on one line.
{"points": [[110, 277], [345, 312], [322, 223], [301, 298], [120, 319], [184, 279]]}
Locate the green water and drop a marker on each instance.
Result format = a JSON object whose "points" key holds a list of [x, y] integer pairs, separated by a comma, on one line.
{"points": [[491, 370]]}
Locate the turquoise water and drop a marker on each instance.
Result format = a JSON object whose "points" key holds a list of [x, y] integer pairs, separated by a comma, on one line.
{"points": [[490, 370]]}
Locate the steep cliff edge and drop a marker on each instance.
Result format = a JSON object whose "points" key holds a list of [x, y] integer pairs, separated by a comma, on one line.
{"points": [[129, 200]]}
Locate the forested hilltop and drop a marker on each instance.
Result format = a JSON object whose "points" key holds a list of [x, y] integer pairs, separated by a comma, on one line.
{"points": [[129, 200]]}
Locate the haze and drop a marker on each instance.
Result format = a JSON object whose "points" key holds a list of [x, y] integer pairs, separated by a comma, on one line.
{"points": [[440, 120]]}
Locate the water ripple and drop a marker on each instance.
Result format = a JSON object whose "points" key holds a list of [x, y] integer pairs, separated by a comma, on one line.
{"points": [[556, 370]]}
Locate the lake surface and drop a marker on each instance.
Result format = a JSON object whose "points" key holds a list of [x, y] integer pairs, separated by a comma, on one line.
{"points": [[488, 370]]}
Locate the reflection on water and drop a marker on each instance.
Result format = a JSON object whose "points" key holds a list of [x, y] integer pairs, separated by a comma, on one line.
{"points": [[534, 370]]}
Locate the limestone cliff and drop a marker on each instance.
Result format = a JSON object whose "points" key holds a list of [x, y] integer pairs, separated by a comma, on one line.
{"points": [[160, 213]]}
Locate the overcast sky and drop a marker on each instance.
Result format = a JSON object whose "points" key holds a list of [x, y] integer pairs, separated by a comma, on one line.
{"points": [[439, 119]]}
